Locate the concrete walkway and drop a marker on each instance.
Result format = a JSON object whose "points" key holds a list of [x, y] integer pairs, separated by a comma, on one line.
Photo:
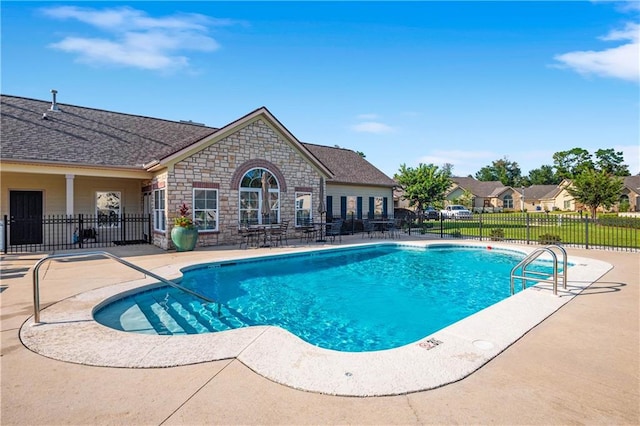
{"points": [[581, 365]]}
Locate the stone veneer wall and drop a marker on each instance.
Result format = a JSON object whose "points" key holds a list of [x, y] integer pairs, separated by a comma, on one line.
{"points": [[253, 145]]}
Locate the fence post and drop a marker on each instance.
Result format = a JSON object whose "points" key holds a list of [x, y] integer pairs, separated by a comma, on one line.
{"points": [[527, 226], [80, 229], [586, 232], [5, 231], [353, 223], [441, 226], [150, 236], [480, 216], [123, 231]]}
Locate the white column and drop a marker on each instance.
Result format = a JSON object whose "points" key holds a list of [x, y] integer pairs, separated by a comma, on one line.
{"points": [[70, 193]]}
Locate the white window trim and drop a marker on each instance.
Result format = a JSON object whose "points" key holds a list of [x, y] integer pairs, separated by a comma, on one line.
{"points": [[296, 209], [161, 210], [217, 209]]}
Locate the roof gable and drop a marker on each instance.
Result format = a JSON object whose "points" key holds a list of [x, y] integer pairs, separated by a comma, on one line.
{"points": [[261, 113], [478, 188], [632, 183], [540, 192]]}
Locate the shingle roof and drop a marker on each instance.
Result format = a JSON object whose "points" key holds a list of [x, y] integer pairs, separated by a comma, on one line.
{"points": [[480, 188], [633, 183], [87, 136], [540, 192], [349, 167], [79, 135]]}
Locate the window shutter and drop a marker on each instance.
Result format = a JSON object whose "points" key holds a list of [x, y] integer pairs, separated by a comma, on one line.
{"points": [[359, 210], [329, 207], [372, 206], [384, 207], [343, 208]]}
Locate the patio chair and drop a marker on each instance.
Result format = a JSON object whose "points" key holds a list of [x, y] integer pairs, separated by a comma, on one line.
{"points": [[393, 228], [334, 229], [368, 227], [247, 236], [308, 231], [279, 233]]}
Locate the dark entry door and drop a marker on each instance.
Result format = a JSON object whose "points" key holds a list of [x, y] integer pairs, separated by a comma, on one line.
{"points": [[25, 209]]}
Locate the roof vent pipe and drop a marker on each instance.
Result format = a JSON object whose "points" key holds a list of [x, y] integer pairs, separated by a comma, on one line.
{"points": [[54, 104]]}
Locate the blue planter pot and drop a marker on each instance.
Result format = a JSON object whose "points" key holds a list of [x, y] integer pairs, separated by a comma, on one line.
{"points": [[185, 239]]}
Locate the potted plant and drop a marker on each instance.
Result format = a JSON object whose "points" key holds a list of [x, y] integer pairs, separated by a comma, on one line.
{"points": [[184, 234]]}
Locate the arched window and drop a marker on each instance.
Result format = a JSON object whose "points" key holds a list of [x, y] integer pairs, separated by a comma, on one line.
{"points": [[507, 201], [259, 197]]}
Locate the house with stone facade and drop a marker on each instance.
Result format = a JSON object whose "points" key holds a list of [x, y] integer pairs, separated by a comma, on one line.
{"points": [[61, 159]]}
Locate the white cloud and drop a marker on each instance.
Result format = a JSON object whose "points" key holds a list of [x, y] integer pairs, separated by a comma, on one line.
{"points": [[621, 62], [134, 39], [371, 127]]}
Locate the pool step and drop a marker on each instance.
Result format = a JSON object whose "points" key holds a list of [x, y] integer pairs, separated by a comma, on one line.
{"points": [[146, 304], [207, 314], [175, 313]]}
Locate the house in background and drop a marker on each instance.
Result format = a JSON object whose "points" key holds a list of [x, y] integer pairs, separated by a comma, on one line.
{"points": [[630, 194], [483, 196], [60, 159], [541, 198], [560, 199]]}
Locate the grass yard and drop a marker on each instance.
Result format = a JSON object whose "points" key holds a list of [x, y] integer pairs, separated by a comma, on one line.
{"points": [[543, 228]]}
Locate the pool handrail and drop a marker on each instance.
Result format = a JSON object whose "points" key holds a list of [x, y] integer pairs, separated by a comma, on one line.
{"points": [[36, 278], [534, 255]]}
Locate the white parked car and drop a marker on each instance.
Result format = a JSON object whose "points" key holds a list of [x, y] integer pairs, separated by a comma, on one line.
{"points": [[456, 211]]}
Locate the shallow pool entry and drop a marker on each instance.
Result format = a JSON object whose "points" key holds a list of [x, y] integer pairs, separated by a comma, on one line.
{"points": [[358, 299]]}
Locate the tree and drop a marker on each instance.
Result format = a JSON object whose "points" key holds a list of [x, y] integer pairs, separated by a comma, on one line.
{"points": [[543, 176], [607, 160], [507, 172], [571, 163], [466, 199], [596, 188], [423, 185]]}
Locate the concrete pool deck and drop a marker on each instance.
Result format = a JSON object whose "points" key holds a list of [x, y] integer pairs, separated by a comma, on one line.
{"points": [[579, 365]]}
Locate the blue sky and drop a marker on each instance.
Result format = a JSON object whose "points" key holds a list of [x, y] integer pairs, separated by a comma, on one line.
{"points": [[465, 83]]}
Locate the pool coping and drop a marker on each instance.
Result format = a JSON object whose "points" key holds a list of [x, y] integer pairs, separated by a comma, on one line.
{"points": [[70, 334]]}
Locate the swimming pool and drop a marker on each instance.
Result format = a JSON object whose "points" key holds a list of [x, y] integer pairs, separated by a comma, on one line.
{"points": [[353, 300]]}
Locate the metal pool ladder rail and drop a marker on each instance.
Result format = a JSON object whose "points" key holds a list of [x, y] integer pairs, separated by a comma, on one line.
{"points": [[541, 276], [36, 278]]}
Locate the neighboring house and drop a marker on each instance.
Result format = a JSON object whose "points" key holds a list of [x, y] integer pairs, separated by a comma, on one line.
{"points": [[631, 193], [541, 198], [60, 159], [485, 196], [556, 197]]}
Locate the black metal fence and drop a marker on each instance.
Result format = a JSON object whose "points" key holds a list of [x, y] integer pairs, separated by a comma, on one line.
{"points": [[65, 232], [605, 232]]}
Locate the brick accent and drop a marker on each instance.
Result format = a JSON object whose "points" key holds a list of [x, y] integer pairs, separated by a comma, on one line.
{"points": [[258, 164], [206, 185]]}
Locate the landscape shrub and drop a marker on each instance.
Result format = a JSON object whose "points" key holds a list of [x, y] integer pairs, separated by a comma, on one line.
{"points": [[549, 238], [497, 234]]}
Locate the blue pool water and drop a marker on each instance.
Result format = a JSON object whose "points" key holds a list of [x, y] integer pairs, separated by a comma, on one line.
{"points": [[359, 299]]}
